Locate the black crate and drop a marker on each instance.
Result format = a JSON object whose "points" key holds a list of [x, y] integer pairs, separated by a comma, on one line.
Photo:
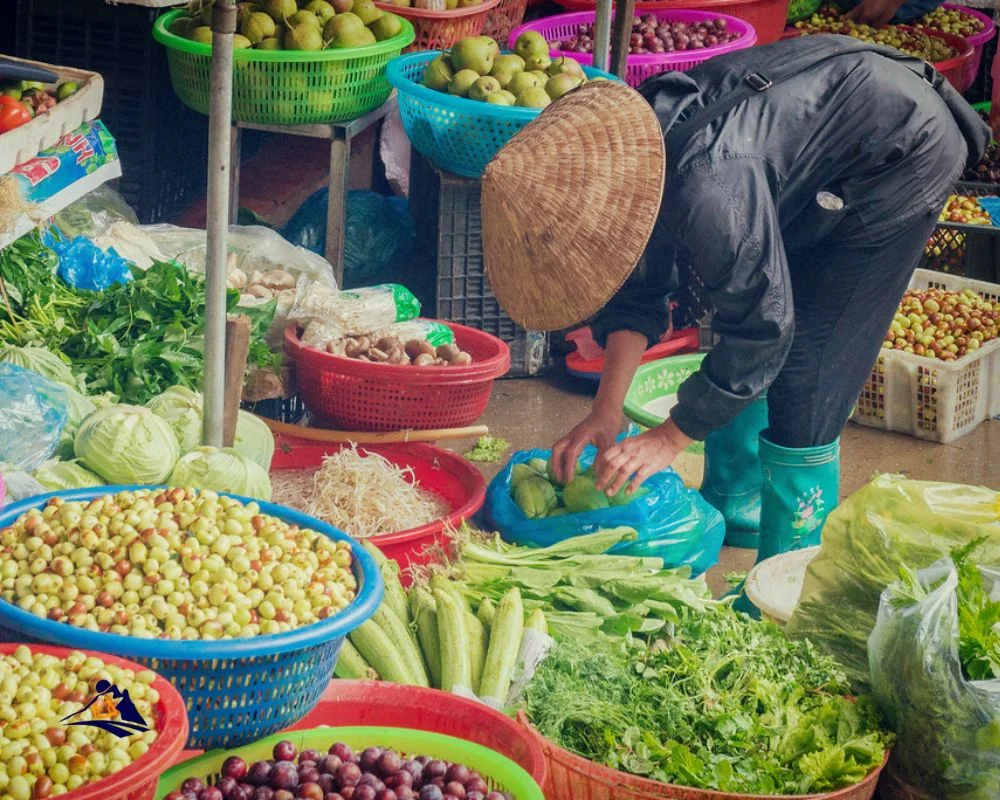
{"points": [[163, 145], [972, 251], [447, 211]]}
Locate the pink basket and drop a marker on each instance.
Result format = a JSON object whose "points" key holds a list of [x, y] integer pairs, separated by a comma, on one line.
{"points": [[978, 41], [640, 67]]}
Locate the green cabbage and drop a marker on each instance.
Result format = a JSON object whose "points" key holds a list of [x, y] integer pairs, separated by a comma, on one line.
{"points": [[44, 362], [59, 475], [78, 408], [222, 470], [182, 408], [127, 444]]}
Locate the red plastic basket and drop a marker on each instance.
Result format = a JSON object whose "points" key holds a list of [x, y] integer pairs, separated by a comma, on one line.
{"points": [[954, 69], [439, 30], [571, 777], [443, 473], [767, 16], [504, 18], [361, 396], [138, 780], [640, 67], [978, 41]]}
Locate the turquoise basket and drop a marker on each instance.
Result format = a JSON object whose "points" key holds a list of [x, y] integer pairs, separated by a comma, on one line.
{"points": [[457, 134]]}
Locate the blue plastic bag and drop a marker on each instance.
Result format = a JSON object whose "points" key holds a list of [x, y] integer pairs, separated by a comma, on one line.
{"points": [[673, 522], [33, 417], [84, 265]]}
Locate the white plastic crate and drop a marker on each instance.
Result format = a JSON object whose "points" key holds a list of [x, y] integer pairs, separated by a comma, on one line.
{"points": [[939, 401]]}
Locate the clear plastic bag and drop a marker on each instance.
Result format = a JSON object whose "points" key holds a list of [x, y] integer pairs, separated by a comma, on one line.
{"points": [[948, 728], [355, 312], [887, 524], [34, 414], [673, 522]]}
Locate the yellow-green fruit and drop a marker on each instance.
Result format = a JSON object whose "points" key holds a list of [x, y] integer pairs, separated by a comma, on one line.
{"points": [[474, 53], [566, 66], [304, 37], [438, 74], [270, 43], [462, 82], [531, 44], [539, 465], [535, 97], [520, 82], [341, 25], [451, 4], [539, 64], [241, 42], [386, 26], [353, 39], [202, 34], [366, 10], [244, 10], [321, 9], [519, 472], [536, 497], [502, 98], [279, 10], [303, 18], [622, 498], [467, 3], [508, 61], [257, 27], [559, 85], [580, 493], [483, 88]]}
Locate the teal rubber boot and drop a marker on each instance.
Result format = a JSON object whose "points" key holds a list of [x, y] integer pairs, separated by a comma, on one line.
{"points": [[733, 476], [801, 487]]}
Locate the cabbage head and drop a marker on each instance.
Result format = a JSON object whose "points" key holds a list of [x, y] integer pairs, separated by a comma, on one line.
{"points": [[59, 475], [223, 469], [44, 362], [182, 408], [127, 445], [78, 408]]}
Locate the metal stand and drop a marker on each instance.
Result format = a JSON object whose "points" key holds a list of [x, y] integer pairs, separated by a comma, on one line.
{"points": [[339, 134]]}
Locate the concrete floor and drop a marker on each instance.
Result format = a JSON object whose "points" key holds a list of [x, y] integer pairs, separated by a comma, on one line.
{"points": [[536, 412]]}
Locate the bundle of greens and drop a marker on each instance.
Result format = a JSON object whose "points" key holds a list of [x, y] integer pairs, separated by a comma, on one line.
{"points": [[585, 593], [935, 661], [722, 703], [135, 339]]}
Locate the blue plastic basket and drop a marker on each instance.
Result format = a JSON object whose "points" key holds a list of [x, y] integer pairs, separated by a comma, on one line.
{"points": [[236, 690], [457, 134]]}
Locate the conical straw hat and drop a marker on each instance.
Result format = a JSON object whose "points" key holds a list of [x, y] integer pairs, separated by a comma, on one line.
{"points": [[569, 205]]}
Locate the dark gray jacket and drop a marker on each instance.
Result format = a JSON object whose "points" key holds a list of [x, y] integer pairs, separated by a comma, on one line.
{"points": [[740, 189]]}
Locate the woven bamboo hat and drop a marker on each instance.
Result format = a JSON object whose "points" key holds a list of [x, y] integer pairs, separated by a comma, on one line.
{"points": [[569, 205]]}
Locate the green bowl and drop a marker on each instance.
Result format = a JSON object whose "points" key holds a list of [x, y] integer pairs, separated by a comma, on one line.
{"points": [[655, 382]]}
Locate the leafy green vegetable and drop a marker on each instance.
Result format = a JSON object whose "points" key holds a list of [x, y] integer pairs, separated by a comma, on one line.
{"points": [[488, 449], [978, 619], [722, 703]]}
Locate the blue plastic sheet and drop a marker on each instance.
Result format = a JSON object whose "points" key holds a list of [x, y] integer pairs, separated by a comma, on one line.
{"points": [[673, 522], [32, 419], [84, 265]]}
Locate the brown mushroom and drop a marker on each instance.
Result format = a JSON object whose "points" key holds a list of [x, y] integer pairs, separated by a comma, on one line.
{"points": [[462, 359], [416, 347], [448, 352], [377, 355], [387, 343], [357, 347], [424, 360]]}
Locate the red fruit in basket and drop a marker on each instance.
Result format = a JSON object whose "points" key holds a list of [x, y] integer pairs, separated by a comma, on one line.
{"points": [[310, 791], [263, 793], [341, 751], [399, 779], [284, 751], [458, 773], [435, 768], [347, 792], [388, 764], [369, 758], [415, 770], [475, 796], [234, 767], [496, 796], [259, 773], [193, 785], [283, 794], [326, 783], [284, 775], [371, 779], [476, 784], [328, 765], [310, 755], [386, 794], [226, 785], [455, 789], [364, 793], [308, 774], [431, 793], [210, 793], [333, 796], [348, 775]]}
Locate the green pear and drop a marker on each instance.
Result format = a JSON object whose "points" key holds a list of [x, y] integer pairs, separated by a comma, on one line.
{"points": [[531, 44], [303, 18], [541, 77], [342, 24], [353, 39], [522, 81], [202, 34], [558, 85], [509, 61], [279, 10], [494, 48], [244, 10], [504, 76], [321, 9], [270, 43], [304, 37], [534, 97], [566, 66], [438, 74], [241, 42], [472, 53], [538, 64], [367, 10], [483, 88], [462, 82], [257, 27], [501, 98], [342, 6], [386, 26]]}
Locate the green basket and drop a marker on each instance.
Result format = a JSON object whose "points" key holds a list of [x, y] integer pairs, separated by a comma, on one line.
{"points": [[285, 87], [499, 772], [802, 9], [656, 380]]}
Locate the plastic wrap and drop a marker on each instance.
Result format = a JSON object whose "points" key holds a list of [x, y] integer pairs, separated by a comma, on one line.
{"points": [[84, 265], [673, 522], [948, 727], [887, 524], [34, 414]]}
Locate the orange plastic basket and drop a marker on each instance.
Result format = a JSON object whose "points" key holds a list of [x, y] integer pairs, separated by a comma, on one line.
{"points": [[504, 18], [439, 30], [138, 780], [571, 777]]}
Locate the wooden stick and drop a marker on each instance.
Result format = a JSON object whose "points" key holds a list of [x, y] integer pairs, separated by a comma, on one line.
{"points": [[237, 349], [620, 36], [393, 437]]}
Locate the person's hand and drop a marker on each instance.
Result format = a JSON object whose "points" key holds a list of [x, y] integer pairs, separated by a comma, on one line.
{"points": [[599, 429], [637, 458], [874, 12]]}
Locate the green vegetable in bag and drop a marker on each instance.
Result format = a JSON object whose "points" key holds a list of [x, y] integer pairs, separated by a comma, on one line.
{"points": [[535, 496], [521, 473], [890, 523], [581, 494]]}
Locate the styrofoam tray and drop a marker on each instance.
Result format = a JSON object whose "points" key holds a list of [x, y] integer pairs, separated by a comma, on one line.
{"points": [[774, 585], [20, 144]]}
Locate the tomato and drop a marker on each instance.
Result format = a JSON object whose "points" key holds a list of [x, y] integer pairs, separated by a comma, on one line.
{"points": [[13, 116], [7, 100]]}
